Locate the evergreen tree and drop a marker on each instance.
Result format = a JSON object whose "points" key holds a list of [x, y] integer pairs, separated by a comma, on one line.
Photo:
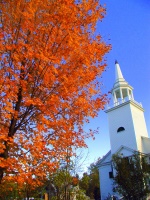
{"points": [[132, 175]]}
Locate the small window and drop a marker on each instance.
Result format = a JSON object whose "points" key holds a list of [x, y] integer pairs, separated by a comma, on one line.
{"points": [[120, 129], [111, 175]]}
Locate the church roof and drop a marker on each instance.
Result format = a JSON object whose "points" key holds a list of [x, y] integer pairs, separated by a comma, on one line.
{"points": [[107, 159], [127, 149]]}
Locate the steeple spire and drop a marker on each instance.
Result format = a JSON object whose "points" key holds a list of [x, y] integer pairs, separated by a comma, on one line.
{"points": [[119, 75], [121, 91], [119, 79]]}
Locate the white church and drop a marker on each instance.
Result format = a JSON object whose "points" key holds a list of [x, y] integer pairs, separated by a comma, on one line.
{"points": [[127, 130]]}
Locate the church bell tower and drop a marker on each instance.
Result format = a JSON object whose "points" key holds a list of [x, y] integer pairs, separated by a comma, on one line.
{"points": [[126, 116]]}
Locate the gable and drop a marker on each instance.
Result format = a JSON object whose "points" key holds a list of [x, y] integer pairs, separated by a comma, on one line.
{"points": [[125, 151], [105, 160]]}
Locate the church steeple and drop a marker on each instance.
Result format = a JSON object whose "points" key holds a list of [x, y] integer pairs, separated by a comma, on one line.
{"points": [[126, 117], [127, 130], [121, 91]]}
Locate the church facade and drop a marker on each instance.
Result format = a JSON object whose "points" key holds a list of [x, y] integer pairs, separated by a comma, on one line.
{"points": [[127, 130]]}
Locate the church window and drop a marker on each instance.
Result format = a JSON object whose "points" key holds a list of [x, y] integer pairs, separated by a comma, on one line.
{"points": [[120, 129]]}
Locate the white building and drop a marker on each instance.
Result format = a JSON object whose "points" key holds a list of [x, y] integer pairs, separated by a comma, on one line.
{"points": [[127, 129]]}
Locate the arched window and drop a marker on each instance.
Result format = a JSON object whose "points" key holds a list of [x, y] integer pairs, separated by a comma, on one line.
{"points": [[120, 129]]}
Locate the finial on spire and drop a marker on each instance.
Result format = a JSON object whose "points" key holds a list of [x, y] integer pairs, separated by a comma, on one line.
{"points": [[116, 62]]}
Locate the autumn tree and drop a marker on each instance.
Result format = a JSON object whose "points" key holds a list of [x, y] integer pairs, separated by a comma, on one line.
{"points": [[132, 175], [50, 60]]}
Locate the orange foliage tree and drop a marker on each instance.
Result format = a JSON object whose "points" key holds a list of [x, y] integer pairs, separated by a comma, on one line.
{"points": [[50, 58]]}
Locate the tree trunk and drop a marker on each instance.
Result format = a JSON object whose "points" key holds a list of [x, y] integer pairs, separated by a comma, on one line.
{"points": [[11, 132]]}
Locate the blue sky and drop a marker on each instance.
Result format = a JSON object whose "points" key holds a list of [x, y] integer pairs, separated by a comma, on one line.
{"points": [[126, 27]]}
